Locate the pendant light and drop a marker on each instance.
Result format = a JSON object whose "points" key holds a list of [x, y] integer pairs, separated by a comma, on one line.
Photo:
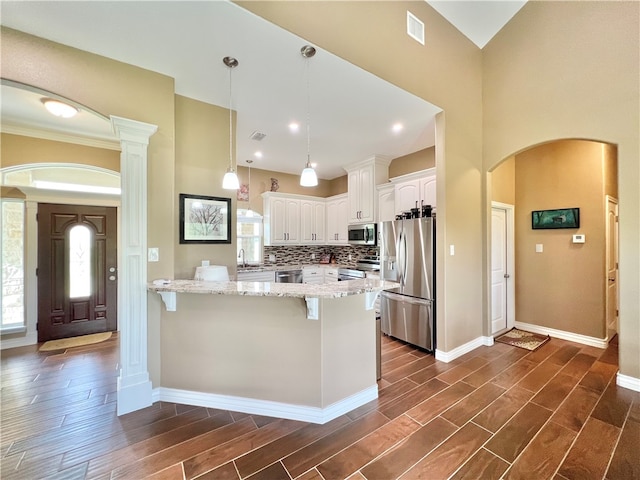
{"points": [[249, 211], [230, 180], [308, 178]]}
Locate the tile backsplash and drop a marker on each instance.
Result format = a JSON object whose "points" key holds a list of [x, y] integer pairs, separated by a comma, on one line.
{"points": [[302, 254]]}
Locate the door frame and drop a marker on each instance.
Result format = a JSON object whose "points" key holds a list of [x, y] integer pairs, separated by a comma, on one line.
{"points": [[510, 246], [607, 200]]}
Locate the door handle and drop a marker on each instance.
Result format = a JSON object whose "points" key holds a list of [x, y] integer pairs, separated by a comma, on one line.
{"points": [[612, 279], [506, 275]]}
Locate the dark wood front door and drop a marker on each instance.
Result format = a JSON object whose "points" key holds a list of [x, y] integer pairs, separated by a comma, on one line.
{"points": [[77, 270]]}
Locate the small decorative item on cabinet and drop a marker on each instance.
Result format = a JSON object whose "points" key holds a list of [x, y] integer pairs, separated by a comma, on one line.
{"points": [[325, 258]]}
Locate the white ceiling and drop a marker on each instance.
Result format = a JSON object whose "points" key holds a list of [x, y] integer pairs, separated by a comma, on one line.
{"points": [[351, 110]]}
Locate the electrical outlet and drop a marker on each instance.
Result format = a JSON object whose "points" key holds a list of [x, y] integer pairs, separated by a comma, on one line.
{"points": [[349, 257], [313, 256], [272, 257]]}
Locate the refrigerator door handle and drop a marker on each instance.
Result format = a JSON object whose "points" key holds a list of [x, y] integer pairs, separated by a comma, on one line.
{"points": [[405, 298]]}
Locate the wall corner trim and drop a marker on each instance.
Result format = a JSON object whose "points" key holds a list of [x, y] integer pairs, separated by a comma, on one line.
{"points": [[461, 350], [625, 381]]}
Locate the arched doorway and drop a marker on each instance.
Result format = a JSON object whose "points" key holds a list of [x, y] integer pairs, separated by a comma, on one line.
{"points": [[563, 288]]}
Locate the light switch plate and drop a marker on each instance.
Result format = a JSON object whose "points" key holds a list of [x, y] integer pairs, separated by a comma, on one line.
{"points": [[539, 248], [579, 238], [153, 255]]}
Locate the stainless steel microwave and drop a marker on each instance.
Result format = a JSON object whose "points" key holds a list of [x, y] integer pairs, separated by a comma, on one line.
{"points": [[363, 234]]}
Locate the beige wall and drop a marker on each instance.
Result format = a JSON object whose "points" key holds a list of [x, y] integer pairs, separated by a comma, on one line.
{"points": [[564, 286], [110, 88], [610, 153], [549, 74], [287, 183], [447, 72], [503, 182], [414, 162], [20, 150]]}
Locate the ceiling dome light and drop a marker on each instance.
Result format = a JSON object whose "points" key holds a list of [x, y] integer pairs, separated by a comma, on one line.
{"points": [[59, 109], [397, 127]]}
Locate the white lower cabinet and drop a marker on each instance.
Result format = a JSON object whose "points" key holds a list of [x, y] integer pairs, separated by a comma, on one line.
{"points": [[330, 274], [312, 274]]}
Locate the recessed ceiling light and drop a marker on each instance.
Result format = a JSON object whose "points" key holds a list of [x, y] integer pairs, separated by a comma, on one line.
{"points": [[294, 127], [397, 127], [59, 109], [258, 154]]}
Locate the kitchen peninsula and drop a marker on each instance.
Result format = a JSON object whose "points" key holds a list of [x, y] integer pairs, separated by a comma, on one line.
{"points": [[298, 351]]}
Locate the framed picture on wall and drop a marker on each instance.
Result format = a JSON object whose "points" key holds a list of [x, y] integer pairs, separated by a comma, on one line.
{"points": [[205, 219], [559, 218]]}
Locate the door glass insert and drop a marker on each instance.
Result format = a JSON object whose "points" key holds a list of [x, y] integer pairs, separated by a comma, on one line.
{"points": [[79, 262]]}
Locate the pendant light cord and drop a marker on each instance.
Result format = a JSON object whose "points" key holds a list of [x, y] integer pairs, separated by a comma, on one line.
{"points": [[230, 124], [308, 112]]}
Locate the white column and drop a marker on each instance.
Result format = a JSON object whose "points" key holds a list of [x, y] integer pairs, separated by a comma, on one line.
{"points": [[134, 386]]}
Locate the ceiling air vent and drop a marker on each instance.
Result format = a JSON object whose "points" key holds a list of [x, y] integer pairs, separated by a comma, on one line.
{"points": [[415, 28], [257, 136]]}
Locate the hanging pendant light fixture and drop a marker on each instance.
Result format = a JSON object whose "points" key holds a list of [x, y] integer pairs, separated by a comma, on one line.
{"points": [[249, 211], [230, 180], [308, 178]]}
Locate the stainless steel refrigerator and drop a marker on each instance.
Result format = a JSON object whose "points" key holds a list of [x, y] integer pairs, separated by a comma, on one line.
{"points": [[407, 256]]}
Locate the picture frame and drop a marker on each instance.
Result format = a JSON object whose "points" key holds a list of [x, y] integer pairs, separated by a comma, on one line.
{"points": [[204, 219], [555, 219]]}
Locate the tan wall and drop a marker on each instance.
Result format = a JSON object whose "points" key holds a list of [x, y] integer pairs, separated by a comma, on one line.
{"points": [[338, 185], [414, 162], [202, 157], [503, 182], [564, 286], [110, 88], [20, 150], [547, 76], [452, 65]]}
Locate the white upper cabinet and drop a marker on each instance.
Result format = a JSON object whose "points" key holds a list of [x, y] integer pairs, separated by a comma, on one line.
{"points": [[337, 221], [386, 202], [281, 219], [312, 222], [362, 180], [418, 190]]}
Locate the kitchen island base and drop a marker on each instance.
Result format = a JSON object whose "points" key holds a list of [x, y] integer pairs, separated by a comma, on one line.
{"points": [[262, 355]]}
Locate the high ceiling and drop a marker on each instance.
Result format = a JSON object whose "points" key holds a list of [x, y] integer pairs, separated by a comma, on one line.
{"points": [[351, 111]]}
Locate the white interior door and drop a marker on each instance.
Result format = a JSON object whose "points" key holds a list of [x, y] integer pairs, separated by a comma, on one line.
{"points": [[503, 292], [499, 272], [612, 266]]}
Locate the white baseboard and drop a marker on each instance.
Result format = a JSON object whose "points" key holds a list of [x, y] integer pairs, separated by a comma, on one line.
{"points": [[571, 337], [132, 397], [626, 381], [265, 407], [462, 349], [29, 339]]}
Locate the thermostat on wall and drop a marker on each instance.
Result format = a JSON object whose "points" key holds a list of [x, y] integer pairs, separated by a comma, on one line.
{"points": [[579, 238]]}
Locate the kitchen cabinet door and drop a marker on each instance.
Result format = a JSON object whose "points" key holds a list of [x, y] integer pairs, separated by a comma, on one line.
{"points": [[407, 194], [361, 185], [281, 221], [312, 222], [386, 203], [428, 190], [337, 223]]}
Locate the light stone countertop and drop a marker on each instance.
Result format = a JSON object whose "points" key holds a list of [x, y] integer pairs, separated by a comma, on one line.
{"points": [[271, 289]]}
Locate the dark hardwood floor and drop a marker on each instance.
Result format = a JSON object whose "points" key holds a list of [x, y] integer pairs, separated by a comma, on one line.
{"points": [[497, 412]]}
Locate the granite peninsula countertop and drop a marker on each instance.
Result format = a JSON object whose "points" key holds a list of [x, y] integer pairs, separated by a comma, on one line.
{"points": [[271, 289]]}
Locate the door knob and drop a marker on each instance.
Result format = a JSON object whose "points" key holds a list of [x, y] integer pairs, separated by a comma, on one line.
{"points": [[506, 275], [112, 277]]}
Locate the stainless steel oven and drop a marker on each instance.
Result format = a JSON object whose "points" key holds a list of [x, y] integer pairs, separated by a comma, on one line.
{"points": [[363, 234]]}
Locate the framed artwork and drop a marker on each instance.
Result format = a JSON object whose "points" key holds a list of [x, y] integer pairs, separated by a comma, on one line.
{"points": [[559, 218], [205, 219]]}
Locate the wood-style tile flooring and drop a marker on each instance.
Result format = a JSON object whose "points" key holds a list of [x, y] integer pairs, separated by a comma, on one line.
{"points": [[497, 412]]}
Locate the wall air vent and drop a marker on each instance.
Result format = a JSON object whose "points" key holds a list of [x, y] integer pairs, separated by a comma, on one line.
{"points": [[257, 136], [415, 28]]}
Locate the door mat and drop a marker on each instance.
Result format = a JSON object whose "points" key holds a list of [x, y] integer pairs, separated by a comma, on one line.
{"points": [[522, 339], [65, 343]]}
